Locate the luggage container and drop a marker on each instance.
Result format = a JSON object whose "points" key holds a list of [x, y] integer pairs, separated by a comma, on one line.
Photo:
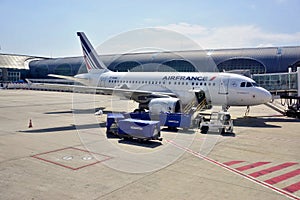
{"points": [[137, 115], [139, 129], [112, 121], [172, 120], [175, 120]]}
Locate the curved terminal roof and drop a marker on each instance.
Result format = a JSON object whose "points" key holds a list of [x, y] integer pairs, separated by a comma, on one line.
{"points": [[16, 61], [273, 59], [267, 60]]}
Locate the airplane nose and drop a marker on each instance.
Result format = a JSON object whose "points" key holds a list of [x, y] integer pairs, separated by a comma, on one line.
{"points": [[267, 96]]}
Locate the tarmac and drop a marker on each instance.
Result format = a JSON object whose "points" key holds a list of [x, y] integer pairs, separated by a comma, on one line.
{"points": [[66, 155]]}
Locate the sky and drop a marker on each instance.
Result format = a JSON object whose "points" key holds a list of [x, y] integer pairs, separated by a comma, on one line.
{"points": [[48, 27]]}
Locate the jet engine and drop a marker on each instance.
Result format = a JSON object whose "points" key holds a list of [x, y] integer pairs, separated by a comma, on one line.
{"points": [[158, 105]]}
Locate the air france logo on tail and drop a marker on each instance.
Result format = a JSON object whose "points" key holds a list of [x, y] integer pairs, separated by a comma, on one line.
{"points": [[87, 63], [90, 56]]}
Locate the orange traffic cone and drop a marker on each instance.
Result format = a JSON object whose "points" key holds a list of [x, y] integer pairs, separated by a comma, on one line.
{"points": [[30, 124]]}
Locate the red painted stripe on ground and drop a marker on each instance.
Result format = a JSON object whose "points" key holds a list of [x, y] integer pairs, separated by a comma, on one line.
{"points": [[283, 177], [53, 162], [233, 162], [280, 191], [257, 164], [292, 188], [272, 169]]}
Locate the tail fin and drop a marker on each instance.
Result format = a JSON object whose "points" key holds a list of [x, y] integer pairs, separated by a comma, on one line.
{"points": [[91, 58]]}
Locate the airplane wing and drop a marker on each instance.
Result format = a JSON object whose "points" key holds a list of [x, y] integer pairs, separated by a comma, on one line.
{"points": [[140, 96]]}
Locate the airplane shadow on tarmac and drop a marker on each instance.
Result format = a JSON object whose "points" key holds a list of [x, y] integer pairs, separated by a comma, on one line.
{"points": [[62, 128], [79, 111], [59, 112], [261, 122]]}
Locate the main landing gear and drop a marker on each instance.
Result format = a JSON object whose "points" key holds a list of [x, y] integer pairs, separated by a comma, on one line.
{"points": [[247, 111]]}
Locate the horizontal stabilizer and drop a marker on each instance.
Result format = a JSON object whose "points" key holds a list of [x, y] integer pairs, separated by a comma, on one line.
{"points": [[71, 78]]}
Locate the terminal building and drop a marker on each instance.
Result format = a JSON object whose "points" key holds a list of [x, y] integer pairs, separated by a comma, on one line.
{"points": [[256, 60], [277, 69]]}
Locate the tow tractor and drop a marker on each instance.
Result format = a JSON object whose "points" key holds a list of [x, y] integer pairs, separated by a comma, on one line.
{"points": [[219, 122]]}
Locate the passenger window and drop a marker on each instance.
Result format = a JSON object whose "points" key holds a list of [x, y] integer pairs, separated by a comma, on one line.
{"points": [[243, 84], [249, 84]]}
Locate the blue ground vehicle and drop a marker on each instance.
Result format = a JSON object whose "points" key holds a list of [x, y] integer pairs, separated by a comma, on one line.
{"points": [[143, 126], [139, 129]]}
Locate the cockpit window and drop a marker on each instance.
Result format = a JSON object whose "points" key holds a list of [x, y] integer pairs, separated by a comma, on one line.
{"points": [[249, 84]]}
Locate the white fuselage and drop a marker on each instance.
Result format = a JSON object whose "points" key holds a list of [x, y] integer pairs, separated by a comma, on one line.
{"points": [[224, 89]]}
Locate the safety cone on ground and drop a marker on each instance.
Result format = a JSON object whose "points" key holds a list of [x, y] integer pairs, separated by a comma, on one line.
{"points": [[30, 124]]}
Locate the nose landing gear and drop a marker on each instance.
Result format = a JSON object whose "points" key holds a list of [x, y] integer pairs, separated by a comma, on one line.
{"points": [[247, 111]]}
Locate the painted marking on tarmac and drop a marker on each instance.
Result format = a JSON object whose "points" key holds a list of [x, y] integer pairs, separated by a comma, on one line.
{"points": [[87, 158], [69, 158], [280, 191], [283, 177], [272, 169], [250, 166], [292, 188], [233, 162]]}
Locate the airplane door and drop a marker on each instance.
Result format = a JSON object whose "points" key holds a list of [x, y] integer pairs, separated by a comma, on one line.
{"points": [[102, 82], [200, 96], [223, 87]]}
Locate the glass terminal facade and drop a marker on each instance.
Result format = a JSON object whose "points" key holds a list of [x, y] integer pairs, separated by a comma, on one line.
{"points": [[278, 82]]}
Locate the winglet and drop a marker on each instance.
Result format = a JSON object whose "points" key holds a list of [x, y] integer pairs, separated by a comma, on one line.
{"points": [[91, 58]]}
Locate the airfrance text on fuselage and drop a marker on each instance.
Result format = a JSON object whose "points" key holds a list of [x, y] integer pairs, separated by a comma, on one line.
{"points": [[185, 78]]}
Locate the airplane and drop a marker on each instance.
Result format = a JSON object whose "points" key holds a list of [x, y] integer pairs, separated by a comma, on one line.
{"points": [[170, 90]]}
